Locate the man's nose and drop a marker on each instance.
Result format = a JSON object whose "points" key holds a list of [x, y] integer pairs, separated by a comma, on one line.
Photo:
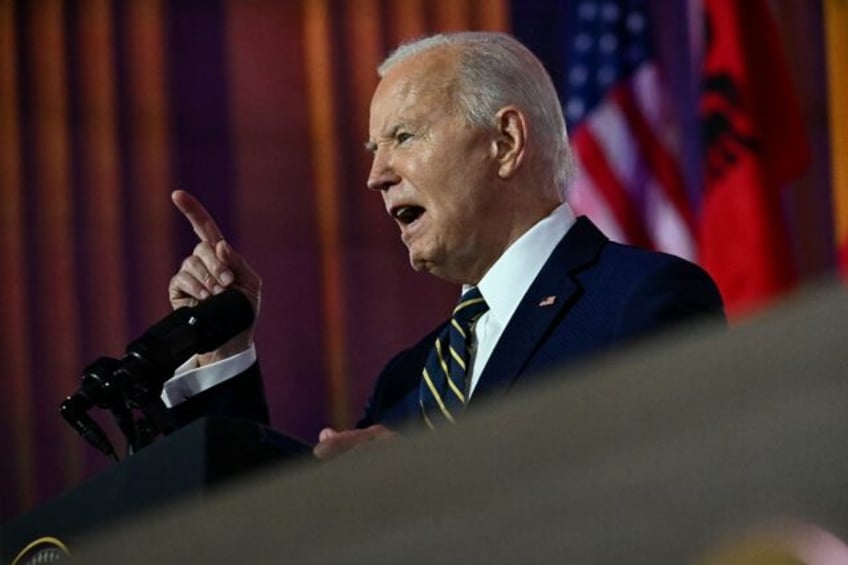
{"points": [[382, 175]]}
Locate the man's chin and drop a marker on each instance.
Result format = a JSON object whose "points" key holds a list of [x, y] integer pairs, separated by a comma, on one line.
{"points": [[435, 269], [433, 262], [419, 265], [421, 262]]}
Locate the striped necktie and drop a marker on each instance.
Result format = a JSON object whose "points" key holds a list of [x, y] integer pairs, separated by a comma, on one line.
{"points": [[444, 379]]}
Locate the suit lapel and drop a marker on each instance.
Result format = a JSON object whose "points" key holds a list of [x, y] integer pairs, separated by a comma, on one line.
{"points": [[548, 299]]}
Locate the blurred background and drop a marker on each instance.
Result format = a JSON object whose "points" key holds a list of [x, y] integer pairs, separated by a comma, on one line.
{"points": [[714, 130]]}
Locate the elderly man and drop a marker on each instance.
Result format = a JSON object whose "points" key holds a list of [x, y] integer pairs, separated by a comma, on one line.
{"points": [[471, 158]]}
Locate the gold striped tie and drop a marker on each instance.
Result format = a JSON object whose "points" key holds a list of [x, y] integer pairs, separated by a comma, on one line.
{"points": [[443, 388]]}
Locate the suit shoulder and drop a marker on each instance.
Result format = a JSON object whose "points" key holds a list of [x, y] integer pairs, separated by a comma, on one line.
{"points": [[643, 261], [585, 249], [658, 285]]}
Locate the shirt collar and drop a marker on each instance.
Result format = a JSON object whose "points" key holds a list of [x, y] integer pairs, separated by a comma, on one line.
{"points": [[505, 283]]}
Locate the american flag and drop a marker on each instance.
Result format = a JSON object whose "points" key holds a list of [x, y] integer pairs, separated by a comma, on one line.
{"points": [[629, 180]]}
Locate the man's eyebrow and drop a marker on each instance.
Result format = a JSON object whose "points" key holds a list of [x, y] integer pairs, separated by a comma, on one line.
{"points": [[371, 145]]}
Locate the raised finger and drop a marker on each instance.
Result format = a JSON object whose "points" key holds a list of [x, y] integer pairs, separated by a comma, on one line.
{"points": [[201, 220]]}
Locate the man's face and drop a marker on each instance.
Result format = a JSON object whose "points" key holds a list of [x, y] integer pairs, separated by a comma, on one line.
{"points": [[436, 172]]}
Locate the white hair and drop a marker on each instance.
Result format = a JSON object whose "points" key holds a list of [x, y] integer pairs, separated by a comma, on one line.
{"points": [[495, 70]]}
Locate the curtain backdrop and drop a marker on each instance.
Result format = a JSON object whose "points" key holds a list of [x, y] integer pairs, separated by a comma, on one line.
{"points": [[259, 107]]}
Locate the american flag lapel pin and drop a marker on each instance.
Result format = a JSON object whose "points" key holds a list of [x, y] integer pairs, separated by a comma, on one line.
{"points": [[547, 301]]}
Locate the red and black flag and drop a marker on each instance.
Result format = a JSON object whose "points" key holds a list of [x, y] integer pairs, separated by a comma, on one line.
{"points": [[754, 143]]}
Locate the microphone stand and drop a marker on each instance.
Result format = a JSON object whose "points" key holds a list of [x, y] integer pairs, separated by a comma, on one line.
{"points": [[121, 396], [134, 382]]}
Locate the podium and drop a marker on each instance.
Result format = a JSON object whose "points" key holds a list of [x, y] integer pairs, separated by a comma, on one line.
{"points": [[183, 465]]}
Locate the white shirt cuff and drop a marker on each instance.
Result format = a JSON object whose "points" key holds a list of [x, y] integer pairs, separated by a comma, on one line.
{"points": [[190, 380]]}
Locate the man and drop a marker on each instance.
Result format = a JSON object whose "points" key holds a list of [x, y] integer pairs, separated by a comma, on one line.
{"points": [[471, 158]]}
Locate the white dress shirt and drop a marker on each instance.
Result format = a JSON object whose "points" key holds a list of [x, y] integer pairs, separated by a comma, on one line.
{"points": [[507, 281], [189, 379], [503, 286]]}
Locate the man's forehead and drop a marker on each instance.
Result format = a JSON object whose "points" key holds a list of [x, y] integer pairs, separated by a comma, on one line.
{"points": [[436, 63], [410, 85]]}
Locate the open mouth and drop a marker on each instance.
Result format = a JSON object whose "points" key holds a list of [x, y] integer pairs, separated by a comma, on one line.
{"points": [[407, 214]]}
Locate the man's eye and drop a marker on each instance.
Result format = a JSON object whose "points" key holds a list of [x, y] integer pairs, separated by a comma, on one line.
{"points": [[403, 136]]}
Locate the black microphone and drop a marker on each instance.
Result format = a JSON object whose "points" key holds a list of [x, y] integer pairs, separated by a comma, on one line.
{"points": [[184, 332], [137, 378]]}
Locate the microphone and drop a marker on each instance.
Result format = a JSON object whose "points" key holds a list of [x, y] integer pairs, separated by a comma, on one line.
{"points": [[186, 331], [137, 378]]}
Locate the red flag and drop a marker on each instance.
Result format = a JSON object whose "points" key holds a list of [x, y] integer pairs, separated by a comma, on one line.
{"points": [[755, 142]]}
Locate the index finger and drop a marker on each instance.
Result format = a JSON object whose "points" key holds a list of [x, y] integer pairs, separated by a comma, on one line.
{"points": [[201, 221]]}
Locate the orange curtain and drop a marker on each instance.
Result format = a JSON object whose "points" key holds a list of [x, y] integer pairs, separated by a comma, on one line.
{"points": [[836, 32], [259, 108], [64, 161]]}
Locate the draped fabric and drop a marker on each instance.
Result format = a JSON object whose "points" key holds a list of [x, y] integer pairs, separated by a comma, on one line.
{"points": [[257, 107], [836, 28]]}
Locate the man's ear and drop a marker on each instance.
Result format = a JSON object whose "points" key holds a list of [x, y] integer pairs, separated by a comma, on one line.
{"points": [[510, 141]]}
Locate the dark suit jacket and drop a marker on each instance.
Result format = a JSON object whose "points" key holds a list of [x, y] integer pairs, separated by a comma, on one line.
{"points": [[242, 397], [605, 294]]}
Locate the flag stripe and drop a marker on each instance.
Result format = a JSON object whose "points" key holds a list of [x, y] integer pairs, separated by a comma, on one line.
{"points": [[592, 159], [630, 182], [661, 163]]}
